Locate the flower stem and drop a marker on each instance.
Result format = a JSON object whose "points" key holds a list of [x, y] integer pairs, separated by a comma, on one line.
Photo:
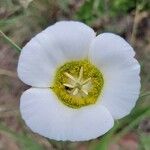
{"points": [[8, 40]]}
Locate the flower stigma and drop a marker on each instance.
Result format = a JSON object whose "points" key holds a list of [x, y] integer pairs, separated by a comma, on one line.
{"points": [[78, 83]]}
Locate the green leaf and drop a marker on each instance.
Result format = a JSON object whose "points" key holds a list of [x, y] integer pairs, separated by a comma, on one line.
{"points": [[145, 141], [85, 12]]}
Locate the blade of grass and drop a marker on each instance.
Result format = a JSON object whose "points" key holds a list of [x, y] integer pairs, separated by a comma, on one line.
{"points": [[133, 119], [131, 125], [9, 41]]}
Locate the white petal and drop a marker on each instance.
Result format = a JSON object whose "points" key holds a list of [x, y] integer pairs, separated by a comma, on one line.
{"points": [[115, 58], [61, 42], [74, 38], [48, 116]]}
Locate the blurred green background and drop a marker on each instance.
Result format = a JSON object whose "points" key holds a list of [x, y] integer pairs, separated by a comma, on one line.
{"points": [[22, 19]]}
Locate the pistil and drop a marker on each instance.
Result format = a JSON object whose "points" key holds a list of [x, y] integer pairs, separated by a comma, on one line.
{"points": [[77, 84]]}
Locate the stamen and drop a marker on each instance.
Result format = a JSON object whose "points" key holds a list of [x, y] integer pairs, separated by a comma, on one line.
{"points": [[70, 76], [84, 91], [80, 74], [75, 92], [86, 81]]}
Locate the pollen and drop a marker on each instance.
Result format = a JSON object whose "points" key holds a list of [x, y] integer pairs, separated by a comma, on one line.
{"points": [[78, 83]]}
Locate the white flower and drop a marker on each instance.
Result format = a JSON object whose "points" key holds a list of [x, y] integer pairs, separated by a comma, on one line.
{"points": [[80, 82]]}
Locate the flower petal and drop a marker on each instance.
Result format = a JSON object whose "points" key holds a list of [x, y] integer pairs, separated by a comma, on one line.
{"points": [[115, 58], [61, 42], [48, 116], [73, 38]]}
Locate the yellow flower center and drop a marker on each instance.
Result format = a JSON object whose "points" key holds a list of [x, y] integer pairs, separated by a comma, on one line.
{"points": [[78, 83]]}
